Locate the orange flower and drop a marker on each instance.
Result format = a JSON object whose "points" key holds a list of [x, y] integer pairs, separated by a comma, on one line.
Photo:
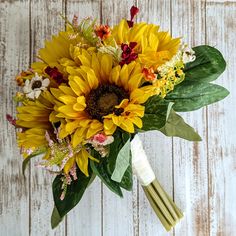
{"points": [[103, 31], [149, 74], [24, 75]]}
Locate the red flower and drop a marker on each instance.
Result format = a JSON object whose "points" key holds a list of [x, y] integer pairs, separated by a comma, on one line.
{"points": [[103, 31], [55, 74], [133, 12], [11, 120], [128, 53]]}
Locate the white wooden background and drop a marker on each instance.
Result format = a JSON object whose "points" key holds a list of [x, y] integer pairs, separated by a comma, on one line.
{"points": [[201, 177]]}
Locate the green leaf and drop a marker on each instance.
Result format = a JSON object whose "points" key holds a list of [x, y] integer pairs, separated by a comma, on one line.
{"points": [[73, 194], [127, 180], [156, 105], [192, 95], [208, 65], [55, 218], [153, 121], [120, 139], [28, 158], [156, 109], [175, 126], [100, 169], [122, 162]]}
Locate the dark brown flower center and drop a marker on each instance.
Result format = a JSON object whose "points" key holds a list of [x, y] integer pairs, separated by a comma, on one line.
{"points": [[102, 101], [37, 84]]}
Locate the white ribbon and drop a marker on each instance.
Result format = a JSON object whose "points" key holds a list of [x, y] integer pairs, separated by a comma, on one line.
{"points": [[140, 164]]}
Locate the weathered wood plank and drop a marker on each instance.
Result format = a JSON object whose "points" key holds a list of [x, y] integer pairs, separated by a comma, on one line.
{"points": [[221, 28], [100, 212], [125, 220], [85, 219], [157, 146], [14, 56], [190, 159], [45, 21]]}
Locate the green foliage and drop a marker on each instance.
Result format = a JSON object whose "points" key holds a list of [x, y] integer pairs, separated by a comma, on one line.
{"points": [[127, 180], [73, 194], [164, 119], [175, 126], [192, 95], [207, 67], [122, 162], [86, 28], [196, 91], [155, 113], [120, 139], [100, 169], [55, 218]]}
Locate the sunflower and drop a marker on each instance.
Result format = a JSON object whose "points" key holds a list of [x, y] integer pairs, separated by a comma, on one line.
{"points": [[154, 48], [100, 97], [61, 48], [35, 117]]}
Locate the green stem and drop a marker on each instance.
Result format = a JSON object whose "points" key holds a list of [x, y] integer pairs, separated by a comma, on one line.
{"points": [[164, 207], [169, 203], [157, 210]]}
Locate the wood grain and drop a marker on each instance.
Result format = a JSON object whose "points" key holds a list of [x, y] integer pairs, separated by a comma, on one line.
{"points": [[200, 176], [157, 146], [221, 28], [190, 159], [14, 56], [45, 21], [119, 214], [86, 218]]}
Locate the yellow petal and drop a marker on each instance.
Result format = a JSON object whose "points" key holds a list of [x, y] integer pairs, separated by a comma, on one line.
{"points": [[109, 127], [124, 76], [76, 89], [78, 136], [68, 111], [67, 99], [82, 161], [114, 76], [84, 87], [71, 126], [135, 81], [106, 66], [69, 165], [127, 125], [137, 121]]}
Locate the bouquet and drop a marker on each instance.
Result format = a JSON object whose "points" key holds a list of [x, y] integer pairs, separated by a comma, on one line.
{"points": [[93, 89]]}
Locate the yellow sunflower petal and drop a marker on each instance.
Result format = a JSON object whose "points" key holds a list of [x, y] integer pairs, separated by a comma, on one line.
{"points": [[69, 165], [82, 161], [109, 127]]}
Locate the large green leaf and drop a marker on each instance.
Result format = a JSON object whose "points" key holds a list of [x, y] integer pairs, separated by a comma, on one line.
{"points": [[100, 169], [175, 126], [120, 139], [192, 95], [55, 218], [208, 66], [156, 105], [127, 180], [122, 162], [153, 121], [73, 194], [155, 113]]}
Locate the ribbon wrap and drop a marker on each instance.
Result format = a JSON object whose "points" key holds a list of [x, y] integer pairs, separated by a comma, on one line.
{"points": [[140, 163]]}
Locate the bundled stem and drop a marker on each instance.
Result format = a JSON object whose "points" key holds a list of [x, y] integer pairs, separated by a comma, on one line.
{"points": [[165, 209]]}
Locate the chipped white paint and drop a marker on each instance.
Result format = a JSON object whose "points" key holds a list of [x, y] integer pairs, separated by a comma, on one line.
{"points": [[200, 176]]}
